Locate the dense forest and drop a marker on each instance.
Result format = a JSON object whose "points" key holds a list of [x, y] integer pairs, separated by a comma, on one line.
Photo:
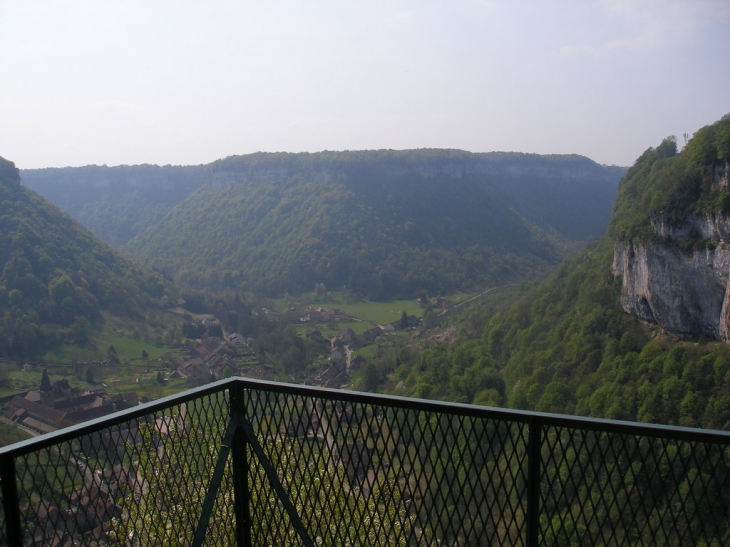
{"points": [[57, 279], [567, 346], [382, 224]]}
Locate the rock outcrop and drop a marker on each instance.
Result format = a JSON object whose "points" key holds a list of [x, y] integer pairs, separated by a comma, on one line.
{"points": [[684, 293], [679, 278], [706, 226]]}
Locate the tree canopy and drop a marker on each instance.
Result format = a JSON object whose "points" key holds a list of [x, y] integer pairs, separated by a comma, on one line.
{"points": [[57, 278], [384, 224]]}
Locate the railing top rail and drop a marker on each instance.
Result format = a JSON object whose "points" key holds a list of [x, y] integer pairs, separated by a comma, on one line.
{"points": [[406, 403], [521, 416], [75, 431]]}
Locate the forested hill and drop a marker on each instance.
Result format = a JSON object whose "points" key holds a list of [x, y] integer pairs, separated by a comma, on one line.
{"points": [[568, 346], [116, 203], [57, 278], [381, 223], [562, 192]]}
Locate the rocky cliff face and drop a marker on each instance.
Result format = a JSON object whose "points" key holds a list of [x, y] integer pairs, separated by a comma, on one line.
{"points": [[672, 223], [684, 293], [707, 226]]}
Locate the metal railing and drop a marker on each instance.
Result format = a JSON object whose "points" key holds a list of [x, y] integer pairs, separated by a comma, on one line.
{"points": [[243, 462]]}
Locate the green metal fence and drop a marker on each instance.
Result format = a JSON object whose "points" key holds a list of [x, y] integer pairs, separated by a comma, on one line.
{"points": [[243, 462]]}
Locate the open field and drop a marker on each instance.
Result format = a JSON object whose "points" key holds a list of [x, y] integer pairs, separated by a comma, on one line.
{"points": [[129, 348], [382, 312]]}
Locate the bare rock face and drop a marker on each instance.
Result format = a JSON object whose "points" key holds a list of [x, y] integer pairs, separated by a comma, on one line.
{"points": [[707, 226], [684, 293]]}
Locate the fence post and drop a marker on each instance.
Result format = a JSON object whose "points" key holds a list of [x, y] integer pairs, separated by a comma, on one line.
{"points": [[534, 459], [239, 459], [10, 501]]}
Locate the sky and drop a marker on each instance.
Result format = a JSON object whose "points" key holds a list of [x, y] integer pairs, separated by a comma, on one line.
{"points": [[188, 82]]}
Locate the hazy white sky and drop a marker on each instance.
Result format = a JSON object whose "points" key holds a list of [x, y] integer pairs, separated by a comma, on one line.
{"points": [[188, 82]]}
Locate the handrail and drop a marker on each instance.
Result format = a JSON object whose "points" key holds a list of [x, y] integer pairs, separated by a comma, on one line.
{"points": [[548, 463], [74, 431], [444, 407]]}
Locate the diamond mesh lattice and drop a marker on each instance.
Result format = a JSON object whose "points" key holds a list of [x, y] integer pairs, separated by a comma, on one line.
{"points": [[602, 488], [367, 471], [363, 474], [141, 482]]}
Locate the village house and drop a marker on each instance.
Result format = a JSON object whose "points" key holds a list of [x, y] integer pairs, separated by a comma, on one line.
{"points": [[348, 336], [205, 359], [317, 315], [60, 405], [315, 335], [237, 340], [371, 334]]}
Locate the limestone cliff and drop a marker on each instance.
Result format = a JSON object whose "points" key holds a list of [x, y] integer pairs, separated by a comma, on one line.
{"points": [[684, 293], [672, 227]]}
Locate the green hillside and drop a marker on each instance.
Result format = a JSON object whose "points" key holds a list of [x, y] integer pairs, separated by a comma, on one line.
{"points": [[662, 183], [57, 278], [383, 224], [567, 346]]}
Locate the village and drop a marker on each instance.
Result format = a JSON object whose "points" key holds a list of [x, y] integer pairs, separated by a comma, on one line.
{"points": [[99, 494], [57, 404]]}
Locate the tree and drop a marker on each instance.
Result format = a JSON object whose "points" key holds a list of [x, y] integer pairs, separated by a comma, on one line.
{"points": [[667, 149], [215, 330], [370, 377], [111, 354], [80, 329], [320, 290]]}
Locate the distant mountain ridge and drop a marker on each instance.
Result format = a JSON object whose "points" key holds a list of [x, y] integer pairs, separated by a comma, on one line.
{"points": [[118, 203], [427, 163], [381, 223]]}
